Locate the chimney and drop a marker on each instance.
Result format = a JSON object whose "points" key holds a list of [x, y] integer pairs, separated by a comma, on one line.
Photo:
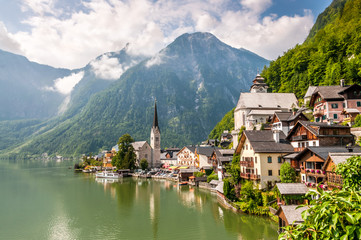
{"points": [[276, 136], [342, 82]]}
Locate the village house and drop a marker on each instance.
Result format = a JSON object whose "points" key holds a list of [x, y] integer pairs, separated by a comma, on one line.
{"points": [[107, 159], [311, 161], [256, 107], [204, 157], [168, 158], [285, 121], [291, 193], [261, 156], [187, 157], [220, 158], [334, 103], [305, 134], [334, 180], [289, 215]]}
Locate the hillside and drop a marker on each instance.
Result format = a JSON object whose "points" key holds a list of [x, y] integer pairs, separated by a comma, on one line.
{"points": [[330, 53], [195, 80]]}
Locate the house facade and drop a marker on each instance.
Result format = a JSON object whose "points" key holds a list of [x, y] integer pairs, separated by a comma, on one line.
{"points": [[331, 102], [187, 157], [311, 134], [285, 121], [261, 156]]}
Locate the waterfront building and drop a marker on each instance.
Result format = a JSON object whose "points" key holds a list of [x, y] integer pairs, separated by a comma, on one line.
{"points": [[220, 158], [187, 157], [155, 139], [290, 193], [143, 151], [310, 134], [168, 158], [334, 180], [256, 107], [334, 103], [289, 215], [261, 156]]}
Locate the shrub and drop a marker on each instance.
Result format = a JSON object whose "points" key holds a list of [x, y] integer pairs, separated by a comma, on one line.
{"points": [[211, 177]]}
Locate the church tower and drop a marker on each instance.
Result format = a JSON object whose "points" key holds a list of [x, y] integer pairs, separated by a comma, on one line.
{"points": [[259, 86], [155, 139]]}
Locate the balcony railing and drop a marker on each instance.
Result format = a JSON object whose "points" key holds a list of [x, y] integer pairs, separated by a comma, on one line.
{"points": [[299, 137], [250, 176], [249, 164], [318, 112]]}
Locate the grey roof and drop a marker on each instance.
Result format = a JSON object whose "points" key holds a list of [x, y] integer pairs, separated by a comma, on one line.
{"points": [[338, 158], [262, 112], [310, 91], [330, 92], [207, 151], [266, 100], [283, 116], [291, 155], [323, 152], [263, 142], [226, 151], [138, 145], [293, 213], [351, 110], [292, 188]]}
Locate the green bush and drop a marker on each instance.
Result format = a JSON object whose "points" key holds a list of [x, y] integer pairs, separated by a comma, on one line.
{"points": [[211, 177], [198, 174]]}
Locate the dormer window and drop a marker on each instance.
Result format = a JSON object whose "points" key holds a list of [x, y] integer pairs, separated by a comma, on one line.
{"points": [[259, 105]]}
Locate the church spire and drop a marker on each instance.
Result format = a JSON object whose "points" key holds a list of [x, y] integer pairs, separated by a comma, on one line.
{"points": [[155, 119]]}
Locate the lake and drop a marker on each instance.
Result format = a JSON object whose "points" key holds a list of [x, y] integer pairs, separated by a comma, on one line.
{"points": [[47, 200]]}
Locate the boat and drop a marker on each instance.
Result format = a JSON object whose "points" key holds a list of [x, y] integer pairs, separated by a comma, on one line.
{"points": [[106, 174], [182, 183]]}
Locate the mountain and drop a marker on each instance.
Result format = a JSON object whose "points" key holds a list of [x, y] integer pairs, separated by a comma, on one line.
{"points": [[24, 85], [331, 52], [196, 80]]}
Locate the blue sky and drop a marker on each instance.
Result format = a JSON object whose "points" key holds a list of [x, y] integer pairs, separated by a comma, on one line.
{"points": [[70, 33]]}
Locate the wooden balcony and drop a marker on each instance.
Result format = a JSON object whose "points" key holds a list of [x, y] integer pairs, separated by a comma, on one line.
{"points": [[250, 176], [248, 164], [318, 112], [299, 138]]}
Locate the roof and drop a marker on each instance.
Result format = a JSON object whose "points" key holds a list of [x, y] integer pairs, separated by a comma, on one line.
{"points": [[207, 151], [292, 188], [155, 118], [314, 127], [226, 151], [190, 148], [338, 158], [310, 91], [292, 213], [263, 141], [323, 152], [266, 100], [330, 92], [138, 145], [283, 116], [351, 110]]}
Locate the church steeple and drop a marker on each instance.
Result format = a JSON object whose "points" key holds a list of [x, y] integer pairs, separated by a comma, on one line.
{"points": [[155, 139], [155, 118]]}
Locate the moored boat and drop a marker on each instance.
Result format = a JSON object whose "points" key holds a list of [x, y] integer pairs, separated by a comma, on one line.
{"points": [[106, 174]]}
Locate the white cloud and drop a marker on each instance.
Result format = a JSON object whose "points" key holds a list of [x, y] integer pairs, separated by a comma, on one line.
{"points": [[66, 84], [107, 25], [108, 68], [7, 41]]}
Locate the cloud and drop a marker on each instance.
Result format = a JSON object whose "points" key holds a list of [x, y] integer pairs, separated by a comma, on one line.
{"points": [[108, 68], [7, 41], [70, 38], [66, 84]]}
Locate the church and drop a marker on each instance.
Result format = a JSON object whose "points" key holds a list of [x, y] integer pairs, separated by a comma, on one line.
{"points": [[256, 107]]}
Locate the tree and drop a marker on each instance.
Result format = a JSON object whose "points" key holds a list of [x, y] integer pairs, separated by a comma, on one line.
{"points": [[144, 164], [287, 173], [125, 158], [336, 214]]}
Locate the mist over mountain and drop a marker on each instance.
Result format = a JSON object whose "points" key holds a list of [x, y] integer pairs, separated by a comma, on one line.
{"points": [[196, 80]]}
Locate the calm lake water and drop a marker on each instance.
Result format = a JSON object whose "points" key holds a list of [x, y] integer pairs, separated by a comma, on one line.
{"points": [[46, 200]]}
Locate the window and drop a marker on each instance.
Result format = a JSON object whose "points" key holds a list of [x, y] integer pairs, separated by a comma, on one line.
{"points": [[335, 116], [323, 117], [255, 159], [334, 105], [324, 106], [343, 105], [317, 119], [269, 172], [146, 156], [279, 172], [269, 159], [359, 104], [279, 160], [246, 146]]}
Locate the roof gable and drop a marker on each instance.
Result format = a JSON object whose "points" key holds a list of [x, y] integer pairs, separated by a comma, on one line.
{"points": [[266, 100]]}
